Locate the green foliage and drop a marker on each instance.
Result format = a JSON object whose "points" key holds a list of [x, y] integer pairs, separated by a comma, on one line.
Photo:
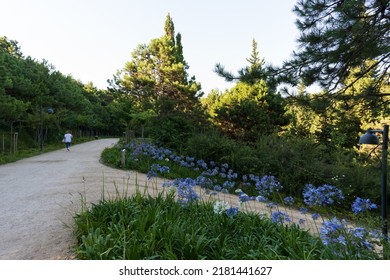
{"points": [[111, 156], [252, 107], [26, 85], [337, 36], [157, 77], [159, 228], [172, 131], [247, 111]]}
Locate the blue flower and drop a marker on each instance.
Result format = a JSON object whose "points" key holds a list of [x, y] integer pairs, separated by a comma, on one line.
{"points": [[335, 232], [185, 190], [228, 184], [232, 211], [289, 200], [243, 197], [315, 216], [321, 196], [332, 231], [271, 205], [267, 185], [303, 210], [155, 169], [261, 198], [361, 205], [204, 182], [280, 217]]}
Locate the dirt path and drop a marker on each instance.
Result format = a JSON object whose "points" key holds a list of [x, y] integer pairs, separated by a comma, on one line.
{"points": [[41, 195]]}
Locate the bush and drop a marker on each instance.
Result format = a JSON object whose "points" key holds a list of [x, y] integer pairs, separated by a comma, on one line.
{"points": [[171, 131]]}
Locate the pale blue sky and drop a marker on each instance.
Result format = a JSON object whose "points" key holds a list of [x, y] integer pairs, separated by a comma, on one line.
{"points": [[92, 39]]}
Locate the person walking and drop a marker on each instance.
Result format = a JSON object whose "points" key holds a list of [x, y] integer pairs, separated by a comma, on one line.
{"points": [[68, 139]]}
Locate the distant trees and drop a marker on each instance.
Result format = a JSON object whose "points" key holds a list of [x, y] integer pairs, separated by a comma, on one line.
{"points": [[26, 85]]}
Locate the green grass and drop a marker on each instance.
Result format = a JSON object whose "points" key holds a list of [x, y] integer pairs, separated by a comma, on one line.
{"points": [[145, 227], [30, 152]]}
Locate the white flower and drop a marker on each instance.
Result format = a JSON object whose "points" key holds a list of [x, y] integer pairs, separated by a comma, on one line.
{"points": [[220, 207]]}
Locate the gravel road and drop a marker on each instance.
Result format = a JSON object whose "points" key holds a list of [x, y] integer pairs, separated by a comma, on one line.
{"points": [[40, 196]]}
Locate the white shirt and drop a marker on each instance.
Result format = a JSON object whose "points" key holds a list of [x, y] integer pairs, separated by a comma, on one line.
{"points": [[68, 137]]}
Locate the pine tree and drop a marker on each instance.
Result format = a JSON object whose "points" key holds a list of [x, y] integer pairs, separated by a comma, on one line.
{"points": [[252, 107], [338, 36], [157, 77]]}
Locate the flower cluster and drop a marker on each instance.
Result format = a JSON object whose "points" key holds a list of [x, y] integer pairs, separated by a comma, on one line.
{"points": [[212, 176], [221, 178], [185, 190], [222, 207], [361, 205], [335, 232], [267, 185], [321, 196], [156, 169], [289, 200], [280, 217]]}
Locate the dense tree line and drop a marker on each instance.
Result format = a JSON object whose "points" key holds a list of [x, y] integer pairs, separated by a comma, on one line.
{"points": [[256, 126], [155, 96], [28, 85]]}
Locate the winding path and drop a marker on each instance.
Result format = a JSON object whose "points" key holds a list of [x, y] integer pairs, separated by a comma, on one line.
{"points": [[41, 195]]}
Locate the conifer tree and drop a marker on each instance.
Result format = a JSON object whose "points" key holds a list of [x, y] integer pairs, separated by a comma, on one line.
{"points": [[338, 36], [252, 107]]}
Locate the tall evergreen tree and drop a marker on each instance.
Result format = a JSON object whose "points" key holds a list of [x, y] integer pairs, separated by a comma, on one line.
{"points": [[338, 36], [256, 70], [157, 75], [156, 81], [252, 107]]}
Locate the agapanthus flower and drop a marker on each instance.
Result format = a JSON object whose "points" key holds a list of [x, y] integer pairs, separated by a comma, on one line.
{"points": [[321, 196], [280, 217], [220, 207], [267, 185], [315, 216], [338, 233], [185, 190], [261, 198], [156, 169], [361, 205], [243, 197], [289, 200], [303, 210], [331, 231], [204, 182], [232, 211], [271, 205]]}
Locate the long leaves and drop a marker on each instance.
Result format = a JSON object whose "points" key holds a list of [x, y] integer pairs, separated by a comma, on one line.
{"points": [[145, 227]]}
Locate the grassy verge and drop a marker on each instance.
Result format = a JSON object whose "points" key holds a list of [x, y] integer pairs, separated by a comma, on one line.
{"points": [[145, 227], [26, 153], [335, 233]]}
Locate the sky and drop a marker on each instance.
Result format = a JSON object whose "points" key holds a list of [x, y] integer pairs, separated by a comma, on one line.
{"points": [[93, 39]]}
